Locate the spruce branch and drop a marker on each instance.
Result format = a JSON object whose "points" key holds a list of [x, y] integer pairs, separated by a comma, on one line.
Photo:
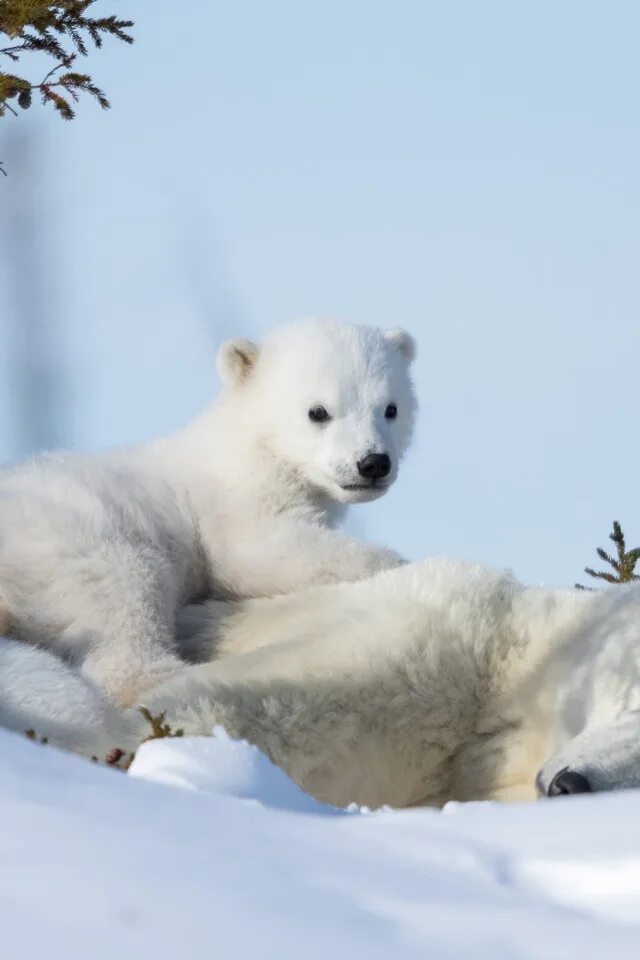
{"points": [[63, 30], [624, 566], [159, 728]]}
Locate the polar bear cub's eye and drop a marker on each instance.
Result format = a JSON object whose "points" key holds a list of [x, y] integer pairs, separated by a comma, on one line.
{"points": [[319, 415], [391, 412]]}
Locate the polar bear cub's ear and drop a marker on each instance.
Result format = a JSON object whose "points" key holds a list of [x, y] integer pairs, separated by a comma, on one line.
{"points": [[403, 342], [235, 360]]}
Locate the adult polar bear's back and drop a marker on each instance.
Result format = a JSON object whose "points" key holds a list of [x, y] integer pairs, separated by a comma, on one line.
{"points": [[98, 553]]}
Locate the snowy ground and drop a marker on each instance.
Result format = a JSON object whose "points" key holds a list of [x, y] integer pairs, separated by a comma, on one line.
{"points": [[222, 857]]}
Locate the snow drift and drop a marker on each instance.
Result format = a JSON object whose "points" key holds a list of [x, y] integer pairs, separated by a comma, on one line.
{"points": [[206, 849]]}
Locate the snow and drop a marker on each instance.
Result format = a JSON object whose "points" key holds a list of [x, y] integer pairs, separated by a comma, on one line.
{"points": [[207, 850]]}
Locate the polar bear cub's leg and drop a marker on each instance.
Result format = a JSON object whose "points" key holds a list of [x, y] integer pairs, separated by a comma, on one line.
{"points": [[214, 629], [107, 608], [125, 626], [270, 556], [42, 696]]}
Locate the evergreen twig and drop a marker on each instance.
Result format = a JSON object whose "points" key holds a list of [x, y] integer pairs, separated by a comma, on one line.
{"points": [[623, 565], [62, 30], [159, 728]]}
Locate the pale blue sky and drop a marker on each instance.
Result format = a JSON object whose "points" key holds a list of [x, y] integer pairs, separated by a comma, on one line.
{"points": [[468, 170]]}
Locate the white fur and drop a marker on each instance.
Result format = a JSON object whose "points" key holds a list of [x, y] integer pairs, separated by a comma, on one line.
{"points": [[427, 683], [98, 553]]}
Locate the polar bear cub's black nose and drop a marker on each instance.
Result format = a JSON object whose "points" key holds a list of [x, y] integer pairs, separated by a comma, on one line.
{"points": [[566, 782], [375, 466]]}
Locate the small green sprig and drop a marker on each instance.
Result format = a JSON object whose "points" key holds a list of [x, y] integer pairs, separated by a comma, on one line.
{"points": [[63, 31], [623, 565]]}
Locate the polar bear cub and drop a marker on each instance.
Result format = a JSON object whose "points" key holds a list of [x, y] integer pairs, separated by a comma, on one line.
{"points": [[98, 553]]}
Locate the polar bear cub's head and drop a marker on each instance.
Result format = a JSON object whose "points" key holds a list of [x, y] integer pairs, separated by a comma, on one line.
{"points": [[333, 401]]}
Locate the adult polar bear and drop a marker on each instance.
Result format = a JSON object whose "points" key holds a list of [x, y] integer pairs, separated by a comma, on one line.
{"points": [[423, 684], [98, 553]]}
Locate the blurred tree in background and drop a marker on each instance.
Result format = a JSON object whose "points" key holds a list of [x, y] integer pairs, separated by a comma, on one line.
{"points": [[55, 34], [623, 566], [34, 376]]}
